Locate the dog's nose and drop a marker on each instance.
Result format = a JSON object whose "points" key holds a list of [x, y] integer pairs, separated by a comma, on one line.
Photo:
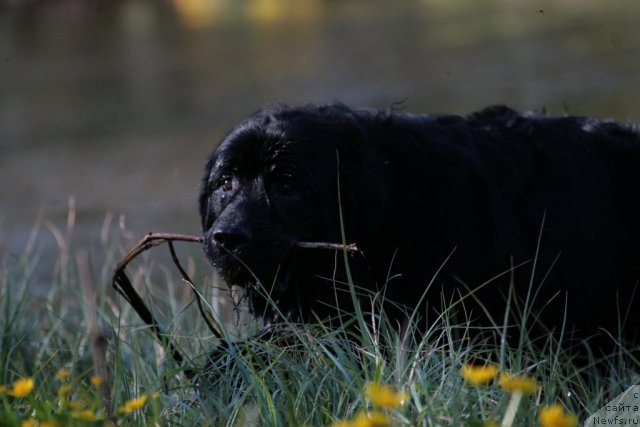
{"points": [[231, 237]]}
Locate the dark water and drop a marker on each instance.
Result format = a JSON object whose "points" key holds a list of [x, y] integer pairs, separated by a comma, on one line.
{"points": [[118, 103]]}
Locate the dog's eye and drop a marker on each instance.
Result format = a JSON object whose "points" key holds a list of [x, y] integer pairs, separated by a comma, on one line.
{"points": [[287, 188], [285, 183], [225, 183]]}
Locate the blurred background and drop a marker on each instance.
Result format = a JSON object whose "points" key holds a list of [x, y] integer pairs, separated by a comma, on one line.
{"points": [[118, 103]]}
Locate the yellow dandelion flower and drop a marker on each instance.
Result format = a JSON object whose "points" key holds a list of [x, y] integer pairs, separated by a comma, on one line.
{"points": [[365, 419], [521, 384], [96, 380], [555, 416], [479, 375], [29, 422], [62, 374], [64, 390], [22, 387], [133, 404], [3, 389], [384, 396], [72, 405], [371, 419], [86, 415]]}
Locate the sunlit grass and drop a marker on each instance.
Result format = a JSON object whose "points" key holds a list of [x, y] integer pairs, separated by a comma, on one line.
{"points": [[74, 353]]}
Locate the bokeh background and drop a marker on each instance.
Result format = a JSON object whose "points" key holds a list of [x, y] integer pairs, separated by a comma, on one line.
{"points": [[118, 103]]}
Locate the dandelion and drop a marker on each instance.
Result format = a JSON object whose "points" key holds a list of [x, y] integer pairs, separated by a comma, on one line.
{"points": [[365, 419], [64, 390], [372, 419], [96, 380], [62, 374], [21, 387], [3, 389], [522, 384], [86, 415], [384, 396], [29, 422], [133, 404], [479, 375], [72, 405], [555, 416], [518, 386]]}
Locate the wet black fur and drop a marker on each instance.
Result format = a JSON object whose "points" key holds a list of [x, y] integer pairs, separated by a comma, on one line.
{"points": [[415, 189]]}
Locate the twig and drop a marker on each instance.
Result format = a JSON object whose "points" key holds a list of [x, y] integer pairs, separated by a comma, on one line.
{"points": [[123, 286], [187, 279], [155, 239], [351, 247]]}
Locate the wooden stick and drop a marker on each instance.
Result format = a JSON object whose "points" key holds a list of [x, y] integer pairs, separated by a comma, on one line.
{"points": [[123, 286], [154, 239], [326, 245]]}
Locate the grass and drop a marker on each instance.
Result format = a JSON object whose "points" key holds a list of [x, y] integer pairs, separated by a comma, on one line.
{"points": [[93, 362]]}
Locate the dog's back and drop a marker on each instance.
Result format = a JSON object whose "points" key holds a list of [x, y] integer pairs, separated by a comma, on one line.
{"points": [[500, 188]]}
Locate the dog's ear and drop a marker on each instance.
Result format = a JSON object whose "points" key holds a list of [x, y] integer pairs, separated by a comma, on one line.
{"points": [[363, 193], [346, 135], [347, 138]]}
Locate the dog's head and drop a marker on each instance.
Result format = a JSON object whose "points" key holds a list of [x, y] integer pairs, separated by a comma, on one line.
{"points": [[273, 182]]}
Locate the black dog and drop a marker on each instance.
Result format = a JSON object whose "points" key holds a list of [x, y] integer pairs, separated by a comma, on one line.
{"points": [[456, 200]]}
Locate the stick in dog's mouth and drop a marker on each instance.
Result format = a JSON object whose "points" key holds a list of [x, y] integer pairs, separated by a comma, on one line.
{"points": [[123, 285], [350, 247]]}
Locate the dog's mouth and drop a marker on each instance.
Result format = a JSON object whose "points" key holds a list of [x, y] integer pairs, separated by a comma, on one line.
{"points": [[268, 290], [246, 267], [272, 304], [260, 272], [286, 288]]}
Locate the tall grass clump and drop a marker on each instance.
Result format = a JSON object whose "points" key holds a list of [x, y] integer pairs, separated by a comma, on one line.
{"points": [[72, 352]]}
